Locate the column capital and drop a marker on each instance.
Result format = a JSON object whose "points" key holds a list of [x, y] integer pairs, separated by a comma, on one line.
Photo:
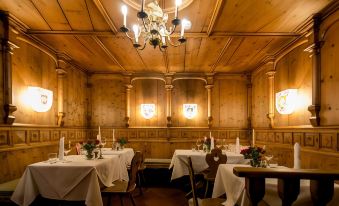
{"points": [[209, 86], [128, 86], [60, 71], [270, 74], [169, 87]]}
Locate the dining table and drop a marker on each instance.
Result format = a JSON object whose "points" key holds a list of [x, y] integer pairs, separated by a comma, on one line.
{"points": [[74, 179], [180, 157], [234, 187]]}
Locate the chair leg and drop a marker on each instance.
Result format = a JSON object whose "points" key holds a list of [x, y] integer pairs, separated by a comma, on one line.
{"points": [[139, 183], [109, 200], [130, 196], [206, 189], [121, 200]]}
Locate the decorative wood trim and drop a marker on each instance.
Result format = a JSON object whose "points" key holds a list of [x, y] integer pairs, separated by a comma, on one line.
{"points": [[216, 12], [270, 116], [221, 54], [109, 54], [104, 13]]}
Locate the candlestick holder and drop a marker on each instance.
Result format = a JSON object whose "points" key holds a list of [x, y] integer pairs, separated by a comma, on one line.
{"points": [[100, 157]]}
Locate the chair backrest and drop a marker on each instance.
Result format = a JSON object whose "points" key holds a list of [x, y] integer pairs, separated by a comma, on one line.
{"points": [[135, 164], [192, 181], [214, 159]]}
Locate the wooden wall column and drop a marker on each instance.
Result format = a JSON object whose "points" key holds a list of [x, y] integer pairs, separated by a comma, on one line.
{"points": [[271, 95], [316, 73], [61, 114], [6, 67], [128, 104], [209, 105], [169, 104], [249, 101]]}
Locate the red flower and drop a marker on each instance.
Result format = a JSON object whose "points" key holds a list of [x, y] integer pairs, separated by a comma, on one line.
{"points": [[97, 142]]}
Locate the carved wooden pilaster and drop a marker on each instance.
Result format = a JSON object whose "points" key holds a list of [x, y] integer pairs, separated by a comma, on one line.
{"points": [[89, 103], [128, 104], [6, 67], [249, 101], [61, 114], [209, 105], [316, 73], [169, 104], [270, 115]]}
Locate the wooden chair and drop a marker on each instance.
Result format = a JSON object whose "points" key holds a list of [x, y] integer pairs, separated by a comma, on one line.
{"points": [[196, 201], [123, 188], [140, 173], [213, 159]]}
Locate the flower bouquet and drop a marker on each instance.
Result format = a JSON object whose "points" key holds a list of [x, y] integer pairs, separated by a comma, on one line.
{"points": [[253, 153], [89, 147], [207, 144], [122, 141]]}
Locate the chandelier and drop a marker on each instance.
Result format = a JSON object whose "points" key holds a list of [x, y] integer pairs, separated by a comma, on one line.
{"points": [[152, 26]]}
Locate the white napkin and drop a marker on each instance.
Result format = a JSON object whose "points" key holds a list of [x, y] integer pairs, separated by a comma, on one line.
{"points": [[212, 143], [99, 137], [296, 156], [237, 145], [61, 148]]}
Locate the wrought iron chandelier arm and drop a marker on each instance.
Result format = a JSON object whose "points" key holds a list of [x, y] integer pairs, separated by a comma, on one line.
{"points": [[171, 43], [143, 22]]}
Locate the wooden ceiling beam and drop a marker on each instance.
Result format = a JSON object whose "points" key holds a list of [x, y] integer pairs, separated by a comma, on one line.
{"points": [[216, 12], [104, 13], [221, 54], [109, 54], [188, 34]]}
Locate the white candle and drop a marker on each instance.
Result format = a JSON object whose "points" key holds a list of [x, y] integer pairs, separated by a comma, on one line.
{"points": [[124, 12], [136, 33], [113, 136], [69, 144], [253, 138], [182, 30], [99, 132], [210, 134]]}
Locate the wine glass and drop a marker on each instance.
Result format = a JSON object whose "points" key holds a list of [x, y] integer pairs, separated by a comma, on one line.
{"points": [[268, 158], [198, 143], [218, 143], [67, 149], [103, 141], [225, 145]]}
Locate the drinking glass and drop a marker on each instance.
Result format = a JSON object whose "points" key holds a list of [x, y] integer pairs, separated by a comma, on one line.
{"points": [[218, 143], [198, 143], [268, 158], [103, 141], [52, 158], [67, 149]]}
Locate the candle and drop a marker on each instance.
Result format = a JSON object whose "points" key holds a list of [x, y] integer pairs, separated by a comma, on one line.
{"points": [[136, 33], [69, 144], [124, 12], [210, 134], [253, 138], [99, 132], [182, 29], [177, 4], [113, 136]]}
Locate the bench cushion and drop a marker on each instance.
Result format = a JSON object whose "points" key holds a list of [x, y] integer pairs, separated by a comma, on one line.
{"points": [[7, 188]]}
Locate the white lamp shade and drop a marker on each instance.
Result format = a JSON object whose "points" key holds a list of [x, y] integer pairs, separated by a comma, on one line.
{"points": [[285, 101], [40, 99], [190, 110], [147, 110]]}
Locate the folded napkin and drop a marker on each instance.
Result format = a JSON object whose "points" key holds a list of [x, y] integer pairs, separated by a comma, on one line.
{"points": [[237, 145], [61, 148], [99, 137], [296, 156]]}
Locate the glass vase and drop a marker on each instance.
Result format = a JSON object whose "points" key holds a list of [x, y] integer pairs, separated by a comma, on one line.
{"points": [[255, 162], [89, 154]]}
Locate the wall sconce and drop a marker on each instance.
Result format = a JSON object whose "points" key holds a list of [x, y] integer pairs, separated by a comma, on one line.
{"points": [[39, 99], [285, 101], [147, 110], [190, 110]]}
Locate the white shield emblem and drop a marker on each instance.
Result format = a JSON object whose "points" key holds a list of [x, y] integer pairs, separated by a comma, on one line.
{"points": [[285, 101], [147, 110], [190, 110], [41, 100]]}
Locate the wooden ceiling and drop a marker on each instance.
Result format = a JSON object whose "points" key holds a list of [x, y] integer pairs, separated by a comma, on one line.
{"points": [[226, 36]]}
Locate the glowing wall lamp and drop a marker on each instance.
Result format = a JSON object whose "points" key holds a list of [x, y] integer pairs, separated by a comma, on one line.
{"points": [[39, 99], [147, 110], [285, 101], [190, 110]]}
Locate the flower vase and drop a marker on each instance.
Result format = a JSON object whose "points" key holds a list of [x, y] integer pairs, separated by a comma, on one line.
{"points": [[255, 162], [89, 154]]}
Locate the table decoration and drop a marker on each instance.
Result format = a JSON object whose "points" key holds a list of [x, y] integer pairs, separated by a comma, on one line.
{"points": [[255, 154], [89, 147], [122, 141], [207, 144]]}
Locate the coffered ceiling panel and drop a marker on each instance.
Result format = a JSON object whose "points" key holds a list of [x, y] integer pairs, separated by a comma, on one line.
{"points": [[226, 35], [266, 15]]}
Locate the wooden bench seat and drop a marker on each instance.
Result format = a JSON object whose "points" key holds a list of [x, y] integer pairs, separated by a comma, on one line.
{"points": [[6, 191], [157, 163]]}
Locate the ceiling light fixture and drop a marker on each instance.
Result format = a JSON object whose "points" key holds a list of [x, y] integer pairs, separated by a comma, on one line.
{"points": [[152, 27]]}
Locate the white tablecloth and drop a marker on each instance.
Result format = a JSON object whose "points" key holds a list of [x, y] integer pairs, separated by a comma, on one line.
{"points": [[198, 160], [233, 186], [77, 179], [125, 156]]}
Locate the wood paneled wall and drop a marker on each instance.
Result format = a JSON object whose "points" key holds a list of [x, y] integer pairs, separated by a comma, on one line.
{"points": [[320, 147]]}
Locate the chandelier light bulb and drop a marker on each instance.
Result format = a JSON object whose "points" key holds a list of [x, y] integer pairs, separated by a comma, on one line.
{"points": [[124, 12], [136, 32], [183, 27], [178, 2]]}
